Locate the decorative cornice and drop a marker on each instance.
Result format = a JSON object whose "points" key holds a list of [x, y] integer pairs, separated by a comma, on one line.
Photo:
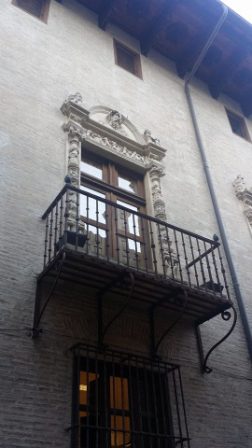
{"points": [[108, 136]]}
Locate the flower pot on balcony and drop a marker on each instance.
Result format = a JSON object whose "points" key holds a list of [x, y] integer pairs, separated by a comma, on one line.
{"points": [[215, 287], [72, 238]]}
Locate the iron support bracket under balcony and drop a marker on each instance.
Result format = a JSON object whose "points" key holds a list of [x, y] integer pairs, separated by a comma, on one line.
{"points": [[155, 344], [225, 315], [103, 329]]}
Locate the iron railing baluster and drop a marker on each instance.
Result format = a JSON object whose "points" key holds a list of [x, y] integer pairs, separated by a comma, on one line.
{"points": [[194, 263], [170, 261], [223, 273], [153, 249], [208, 264], [178, 255], [97, 228], [135, 240], [144, 244], [201, 263], [125, 222], [46, 240], [161, 244], [186, 259], [117, 250], [61, 221], [50, 239], [56, 229]]}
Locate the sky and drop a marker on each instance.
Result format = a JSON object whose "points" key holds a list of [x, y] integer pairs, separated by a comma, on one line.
{"points": [[242, 7]]}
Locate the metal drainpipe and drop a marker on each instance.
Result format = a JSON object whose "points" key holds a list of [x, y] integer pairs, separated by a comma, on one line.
{"points": [[201, 148]]}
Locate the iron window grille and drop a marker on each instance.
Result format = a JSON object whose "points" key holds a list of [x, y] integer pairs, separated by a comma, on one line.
{"points": [[123, 400]]}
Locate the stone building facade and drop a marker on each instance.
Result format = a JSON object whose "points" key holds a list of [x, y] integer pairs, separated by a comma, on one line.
{"points": [[62, 91]]}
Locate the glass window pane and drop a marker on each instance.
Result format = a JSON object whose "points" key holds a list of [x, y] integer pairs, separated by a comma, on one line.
{"points": [[92, 208], [127, 221], [96, 241], [119, 396], [119, 438], [127, 184], [85, 383], [91, 168]]}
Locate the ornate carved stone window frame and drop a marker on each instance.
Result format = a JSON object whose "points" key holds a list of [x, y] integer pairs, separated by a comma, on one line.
{"points": [[117, 138], [244, 195], [109, 133]]}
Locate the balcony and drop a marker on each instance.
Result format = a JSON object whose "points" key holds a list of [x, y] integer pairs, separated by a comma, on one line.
{"points": [[107, 247]]}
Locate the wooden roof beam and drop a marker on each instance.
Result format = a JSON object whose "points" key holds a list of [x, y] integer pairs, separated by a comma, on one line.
{"points": [[222, 78], [150, 37], [105, 13]]}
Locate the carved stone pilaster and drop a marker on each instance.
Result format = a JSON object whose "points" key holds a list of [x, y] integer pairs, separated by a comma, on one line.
{"points": [[75, 135], [156, 172], [165, 243], [244, 195], [239, 186]]}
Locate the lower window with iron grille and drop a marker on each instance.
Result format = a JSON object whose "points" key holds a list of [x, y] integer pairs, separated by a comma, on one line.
{"points": [[122, 400]]}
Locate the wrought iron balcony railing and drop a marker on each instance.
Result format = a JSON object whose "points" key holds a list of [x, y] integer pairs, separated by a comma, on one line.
{"points": [[96, 227]]}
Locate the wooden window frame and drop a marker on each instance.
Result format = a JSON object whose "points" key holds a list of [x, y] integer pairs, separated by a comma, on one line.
{"points": [[110, 171], [244, 130], [108, 186], [137, 58], [44, 12]]}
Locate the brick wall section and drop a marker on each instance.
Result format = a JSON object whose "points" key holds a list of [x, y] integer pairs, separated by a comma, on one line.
{"points": [[40, 66]]}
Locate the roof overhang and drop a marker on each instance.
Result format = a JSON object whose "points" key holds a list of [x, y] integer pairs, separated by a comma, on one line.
{"points": [[178, 29]]}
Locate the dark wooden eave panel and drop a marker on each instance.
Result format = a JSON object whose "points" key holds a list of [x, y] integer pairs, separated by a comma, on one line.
{"points": [[178, 29]]}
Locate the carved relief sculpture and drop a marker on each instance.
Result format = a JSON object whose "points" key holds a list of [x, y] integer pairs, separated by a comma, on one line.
{"points": [[239, 186], [115, 119], [244, 195], [165, 243], [149, 139], [75, 135]]}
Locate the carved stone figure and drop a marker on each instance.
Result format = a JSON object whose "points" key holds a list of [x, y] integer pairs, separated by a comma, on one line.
{"points": [[76, 98], [149, 139], [115, 119], [239, 186], [245, 196]]}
